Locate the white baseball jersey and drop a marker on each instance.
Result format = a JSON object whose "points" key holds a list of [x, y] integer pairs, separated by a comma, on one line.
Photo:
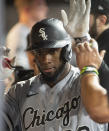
{"points": [[42, 108]]}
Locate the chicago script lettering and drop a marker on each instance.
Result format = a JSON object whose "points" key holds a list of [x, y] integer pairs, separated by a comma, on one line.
{"points": [[62, 112]]}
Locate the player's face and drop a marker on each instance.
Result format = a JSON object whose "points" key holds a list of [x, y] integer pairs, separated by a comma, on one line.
{"points": [[49, 61]]}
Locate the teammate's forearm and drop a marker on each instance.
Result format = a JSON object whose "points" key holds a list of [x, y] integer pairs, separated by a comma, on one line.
{"points": [[94, 98]]}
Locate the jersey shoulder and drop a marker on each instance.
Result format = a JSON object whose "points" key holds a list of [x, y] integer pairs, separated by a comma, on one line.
{"points": [[20, 89], [75, 70]]}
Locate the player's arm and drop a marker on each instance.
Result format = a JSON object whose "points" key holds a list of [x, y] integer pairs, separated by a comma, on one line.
{"points": [[94, 96]]}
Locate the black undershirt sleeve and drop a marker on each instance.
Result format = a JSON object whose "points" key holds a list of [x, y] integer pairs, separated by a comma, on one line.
{"points": [[104, 76]]}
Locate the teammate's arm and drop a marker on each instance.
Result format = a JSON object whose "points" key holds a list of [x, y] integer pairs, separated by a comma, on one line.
{"points": [[94, 96]]}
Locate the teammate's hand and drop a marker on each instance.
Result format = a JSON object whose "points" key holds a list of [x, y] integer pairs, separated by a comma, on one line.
{"points": [[5, 68], [77, 24], [88, 56]]}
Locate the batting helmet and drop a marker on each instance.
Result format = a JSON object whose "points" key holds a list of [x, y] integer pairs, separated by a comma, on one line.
{"points": [[50, 33]]}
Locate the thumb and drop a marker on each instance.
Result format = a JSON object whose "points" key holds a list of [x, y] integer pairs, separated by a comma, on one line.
{"points": [[94, 43], [64, 17], [102, 53]]}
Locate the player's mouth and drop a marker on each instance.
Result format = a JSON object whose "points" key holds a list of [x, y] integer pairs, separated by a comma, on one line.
{"points": [[47, 70]]}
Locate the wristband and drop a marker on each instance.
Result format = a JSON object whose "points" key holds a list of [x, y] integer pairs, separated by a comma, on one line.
{"points": [[89, 69], [82, 39]]}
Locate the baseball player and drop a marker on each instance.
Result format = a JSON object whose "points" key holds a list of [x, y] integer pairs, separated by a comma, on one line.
{"points": [[51, 101]]}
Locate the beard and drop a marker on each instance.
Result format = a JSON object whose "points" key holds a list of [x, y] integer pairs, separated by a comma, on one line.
{"points": [[52, 79], [93, 30]]}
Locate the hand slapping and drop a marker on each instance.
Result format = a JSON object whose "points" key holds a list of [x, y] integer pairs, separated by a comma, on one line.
{"points": [[77, 23]]}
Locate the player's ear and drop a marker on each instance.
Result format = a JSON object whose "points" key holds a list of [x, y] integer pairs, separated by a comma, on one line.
{"points": [[103, 19]]}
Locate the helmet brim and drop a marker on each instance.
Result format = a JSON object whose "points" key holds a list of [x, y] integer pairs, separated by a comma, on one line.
{"points": [[49, 44]]}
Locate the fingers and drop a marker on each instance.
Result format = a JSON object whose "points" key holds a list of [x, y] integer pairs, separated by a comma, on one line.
{"points": [[72, 5], [82, 5], [91, 40], [76, 49], [94, 43], [102, 53], [87, 46], [87, 55], [64, 17], [80, 48], [83, 47], [72, 8], [88, 6]]}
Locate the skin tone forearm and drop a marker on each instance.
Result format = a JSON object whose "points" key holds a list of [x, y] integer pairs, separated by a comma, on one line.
{"points": [[94, 96]]}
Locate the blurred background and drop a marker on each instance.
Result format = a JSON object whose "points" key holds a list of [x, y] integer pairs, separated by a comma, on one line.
{"points": [[9, 14]]}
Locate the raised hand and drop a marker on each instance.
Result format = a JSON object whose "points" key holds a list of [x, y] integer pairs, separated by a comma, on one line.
{"points": [[77, 23]]}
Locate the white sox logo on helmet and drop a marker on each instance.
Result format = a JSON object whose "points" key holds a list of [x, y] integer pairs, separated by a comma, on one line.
{"points": [[42, 34]]}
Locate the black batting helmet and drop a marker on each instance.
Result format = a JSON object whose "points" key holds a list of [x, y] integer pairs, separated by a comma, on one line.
{"points": [[50, 33]]}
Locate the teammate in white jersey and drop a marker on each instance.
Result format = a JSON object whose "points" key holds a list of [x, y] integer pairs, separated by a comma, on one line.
{"points": [[51, 101]]}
